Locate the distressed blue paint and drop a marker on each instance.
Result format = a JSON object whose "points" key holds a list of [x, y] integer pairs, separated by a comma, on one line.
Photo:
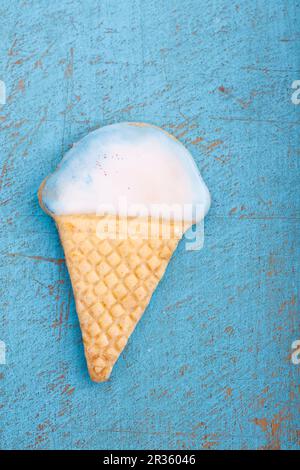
{"points": [[208, 366]]}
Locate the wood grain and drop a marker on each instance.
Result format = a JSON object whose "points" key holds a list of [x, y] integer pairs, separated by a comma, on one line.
{"points": [[219, 329]]}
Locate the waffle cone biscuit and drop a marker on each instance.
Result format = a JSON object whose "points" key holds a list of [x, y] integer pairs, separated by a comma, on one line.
{"points": [[115, 264], [113, 279]]}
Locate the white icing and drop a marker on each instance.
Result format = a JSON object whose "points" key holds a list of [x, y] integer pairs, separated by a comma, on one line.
{"points": [[127, 169]]}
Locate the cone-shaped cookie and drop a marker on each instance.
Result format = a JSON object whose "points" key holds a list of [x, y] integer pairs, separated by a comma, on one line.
{"points": [[151, 191], [113, 279]]}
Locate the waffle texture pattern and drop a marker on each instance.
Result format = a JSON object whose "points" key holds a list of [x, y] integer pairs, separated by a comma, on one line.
{"points": [[113, 279]]}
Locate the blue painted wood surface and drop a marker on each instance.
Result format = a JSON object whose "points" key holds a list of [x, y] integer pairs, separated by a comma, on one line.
{"points": [[209, 364]]}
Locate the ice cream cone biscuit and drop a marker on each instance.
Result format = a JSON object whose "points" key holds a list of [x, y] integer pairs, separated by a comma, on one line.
{"points": [[115, 259], [113, 279]]}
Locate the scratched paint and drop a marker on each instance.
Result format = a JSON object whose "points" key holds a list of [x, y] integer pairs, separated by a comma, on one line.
{"points": [[209, 365]]}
